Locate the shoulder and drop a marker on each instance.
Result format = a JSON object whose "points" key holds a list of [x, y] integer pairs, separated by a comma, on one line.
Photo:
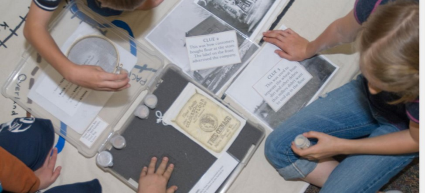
{"points": [[363, 8], [412, 110], [47, 5]]}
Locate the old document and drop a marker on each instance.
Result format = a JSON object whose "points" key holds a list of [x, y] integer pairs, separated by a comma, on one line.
{"points": [[204, 120]]}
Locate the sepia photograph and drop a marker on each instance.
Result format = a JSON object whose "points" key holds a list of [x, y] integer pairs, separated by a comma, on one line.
{"points": [[169, 37]]}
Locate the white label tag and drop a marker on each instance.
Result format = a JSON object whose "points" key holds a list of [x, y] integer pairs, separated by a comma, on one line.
{"points": [[215, 175], [209, 51], [281, 83], [93, 132]]}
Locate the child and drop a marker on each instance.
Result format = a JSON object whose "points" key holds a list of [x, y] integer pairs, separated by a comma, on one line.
{"points": [[28, 165], [373, 119], [94, 77]]}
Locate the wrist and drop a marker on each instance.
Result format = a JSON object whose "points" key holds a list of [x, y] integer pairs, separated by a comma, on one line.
{"points": [[311, 49], [344, 146], [67, 69]]}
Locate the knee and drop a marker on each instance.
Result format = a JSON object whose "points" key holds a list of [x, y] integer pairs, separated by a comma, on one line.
{"points": [[277, 147]]}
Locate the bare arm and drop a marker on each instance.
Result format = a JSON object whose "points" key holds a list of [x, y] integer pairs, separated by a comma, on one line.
{"points": [[406, 141], [295, 47], [93, 77], [401, 142]]}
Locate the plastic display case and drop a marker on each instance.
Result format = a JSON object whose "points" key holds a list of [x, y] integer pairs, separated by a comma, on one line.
{"points": [[149, 64]]}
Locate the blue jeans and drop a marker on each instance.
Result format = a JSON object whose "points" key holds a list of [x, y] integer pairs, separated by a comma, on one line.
{"points": [[344, 113]]}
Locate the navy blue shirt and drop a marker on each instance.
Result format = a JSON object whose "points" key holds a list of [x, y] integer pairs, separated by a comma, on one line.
{"points": [[47, 5], [400, 114]]}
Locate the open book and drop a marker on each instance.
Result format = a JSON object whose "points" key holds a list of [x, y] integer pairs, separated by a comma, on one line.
{"points": [[242, 85]]}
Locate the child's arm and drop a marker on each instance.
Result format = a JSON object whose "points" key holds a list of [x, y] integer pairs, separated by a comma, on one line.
{"points": [[15, 176], [297, 48], [401, 142], [93, 77]]}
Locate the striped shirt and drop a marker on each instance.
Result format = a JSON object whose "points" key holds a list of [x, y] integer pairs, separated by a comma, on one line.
{"points": [[47, 5]]}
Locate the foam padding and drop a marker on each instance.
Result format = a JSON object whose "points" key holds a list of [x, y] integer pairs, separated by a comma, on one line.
{"points": [[146, 138]]}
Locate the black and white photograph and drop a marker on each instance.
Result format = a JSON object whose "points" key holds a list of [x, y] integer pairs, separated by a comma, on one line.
{"points": [[188, 20], [321, 71], [244, 15], [242, 92]]}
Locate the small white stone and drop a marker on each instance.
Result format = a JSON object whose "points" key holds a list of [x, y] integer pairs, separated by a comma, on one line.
{"points": [[104, 159], [142, 112], [150, 101], [118, 141], [302, 142]]}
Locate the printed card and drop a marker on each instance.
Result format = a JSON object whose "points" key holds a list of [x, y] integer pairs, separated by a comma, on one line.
{"points": [[213, 50]]}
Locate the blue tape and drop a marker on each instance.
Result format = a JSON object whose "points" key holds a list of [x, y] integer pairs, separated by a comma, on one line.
{"points": [[125, 26], [61, 141]]}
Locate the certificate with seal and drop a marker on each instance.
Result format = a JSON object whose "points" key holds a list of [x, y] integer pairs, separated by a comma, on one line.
{"points": [[204, 120]]}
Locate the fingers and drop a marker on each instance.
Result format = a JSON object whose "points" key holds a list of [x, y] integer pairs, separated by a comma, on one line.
{"points": [[52, 161], [114, 81], [283, 54], [305, 153], [114, 77], [162, 166], [151, 168], [144, 172], [313, 134], [169, 171], [172, 189], [56, 173], [162, 169]]}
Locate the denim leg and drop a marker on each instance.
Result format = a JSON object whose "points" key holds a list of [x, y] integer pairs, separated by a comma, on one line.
{"points": [[367, 173], [343, 113]]}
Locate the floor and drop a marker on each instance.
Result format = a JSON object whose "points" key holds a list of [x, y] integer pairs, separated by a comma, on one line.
{"points": [[308, 18]]}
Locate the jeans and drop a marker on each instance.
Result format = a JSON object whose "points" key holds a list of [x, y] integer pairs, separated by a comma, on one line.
{"points": [[344, 113]]}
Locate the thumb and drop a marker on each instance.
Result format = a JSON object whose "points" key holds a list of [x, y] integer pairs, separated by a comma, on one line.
{"points": [[171, 189], [313, 134]]}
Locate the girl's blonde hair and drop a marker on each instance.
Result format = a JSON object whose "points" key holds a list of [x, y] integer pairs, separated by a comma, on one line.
{"points": [[389, 47], [123, 4]]}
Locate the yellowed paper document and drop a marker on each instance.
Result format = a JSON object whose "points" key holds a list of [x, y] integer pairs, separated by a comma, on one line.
{"points": [[204, 120]]}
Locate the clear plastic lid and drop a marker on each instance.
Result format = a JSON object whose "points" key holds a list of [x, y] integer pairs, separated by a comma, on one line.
{"points": [[149, 64]]}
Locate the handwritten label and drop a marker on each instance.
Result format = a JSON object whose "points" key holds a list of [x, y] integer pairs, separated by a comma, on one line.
{"points": [[209, 51], [93, 132], [281, 83]]}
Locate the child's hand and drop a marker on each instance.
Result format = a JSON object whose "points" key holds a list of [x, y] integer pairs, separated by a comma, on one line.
{"points": [[94, 77], [156, 182], [293, 46], [47, 174], [327, 146]]}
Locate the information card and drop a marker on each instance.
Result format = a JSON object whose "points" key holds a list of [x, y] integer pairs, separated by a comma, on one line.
{"points": [[213, 50], [279, 84]]}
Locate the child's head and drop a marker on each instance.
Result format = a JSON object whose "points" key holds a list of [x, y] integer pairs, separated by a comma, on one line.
{"points": [[389, 49], [122, 4]]}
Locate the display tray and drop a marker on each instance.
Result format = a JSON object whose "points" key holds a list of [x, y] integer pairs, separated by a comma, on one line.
{"points": [[31, 67], [147, 138]]}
